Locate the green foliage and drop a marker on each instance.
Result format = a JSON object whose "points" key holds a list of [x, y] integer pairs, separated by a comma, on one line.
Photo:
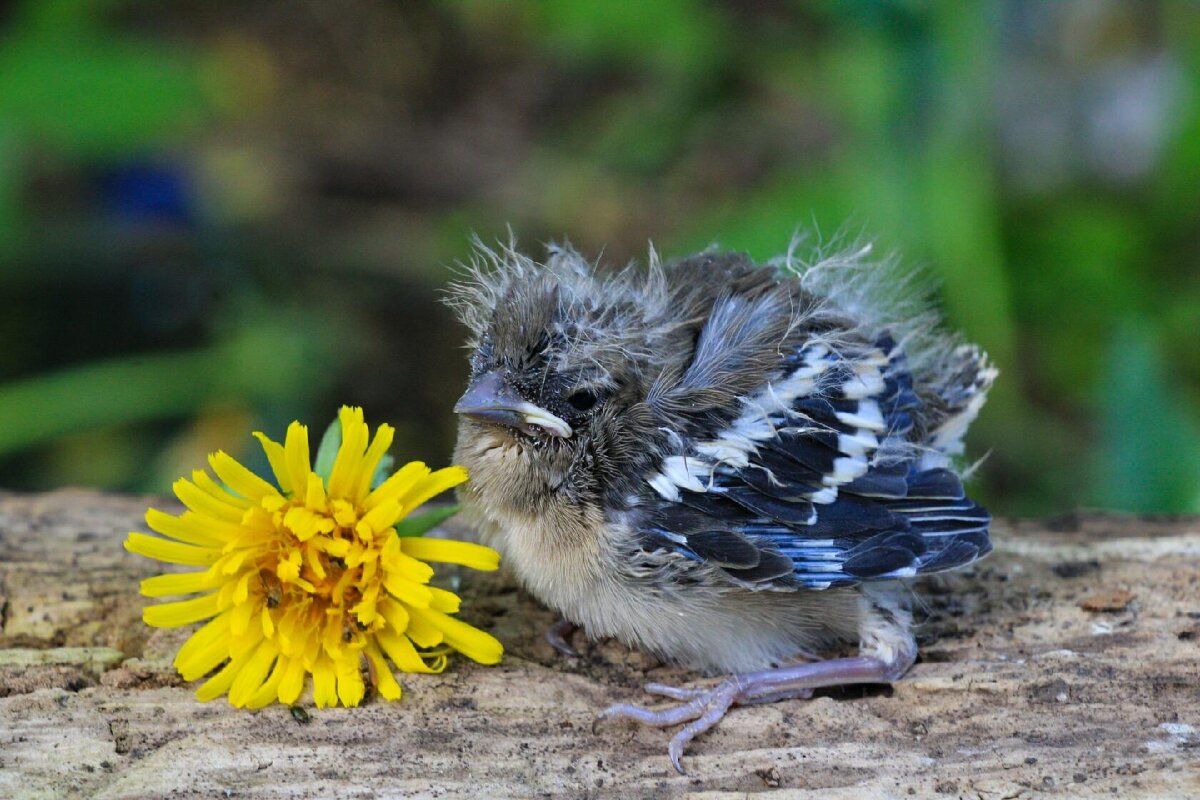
{"points": [[331, 440], [263, 360], [93, 96], [424, 523], [681, 36], [1146, 460], [692, 121]]}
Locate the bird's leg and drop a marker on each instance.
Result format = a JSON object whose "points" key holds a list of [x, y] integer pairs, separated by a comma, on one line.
{"points": [[556, 636], [685, 694], [701, 709]]}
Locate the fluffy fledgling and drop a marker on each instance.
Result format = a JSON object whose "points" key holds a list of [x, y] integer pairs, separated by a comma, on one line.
{"points": [[728, 465]]}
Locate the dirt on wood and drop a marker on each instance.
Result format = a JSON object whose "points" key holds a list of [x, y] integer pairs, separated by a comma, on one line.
{"points": [[1021, 690]]}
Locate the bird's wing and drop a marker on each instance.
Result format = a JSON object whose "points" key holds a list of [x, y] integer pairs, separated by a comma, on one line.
{"points": [[819, 483]]}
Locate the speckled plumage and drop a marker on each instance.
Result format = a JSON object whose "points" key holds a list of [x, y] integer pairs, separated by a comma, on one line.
{"points": [[742, 459]]}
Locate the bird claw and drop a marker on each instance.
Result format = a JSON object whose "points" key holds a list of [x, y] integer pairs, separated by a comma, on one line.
{"points": [[556, 637], [674, 692], [702, 709]]}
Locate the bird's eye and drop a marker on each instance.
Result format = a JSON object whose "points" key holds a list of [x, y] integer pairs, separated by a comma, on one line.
{"points": [[582, 399]]}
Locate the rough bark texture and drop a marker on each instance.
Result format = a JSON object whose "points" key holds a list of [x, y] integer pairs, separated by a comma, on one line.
{"points": [[1065, 664]]}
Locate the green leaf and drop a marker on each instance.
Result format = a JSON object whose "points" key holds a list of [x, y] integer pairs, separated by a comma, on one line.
{"points": [[422, 524], [327, 452], [96, 96], [1149, 454], [632, 31], [383, 470]]}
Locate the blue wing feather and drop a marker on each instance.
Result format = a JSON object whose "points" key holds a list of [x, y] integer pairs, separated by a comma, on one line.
{"points": [[809, 508]]}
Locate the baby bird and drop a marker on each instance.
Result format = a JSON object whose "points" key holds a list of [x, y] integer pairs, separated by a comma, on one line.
{"points": [[728, 465]]}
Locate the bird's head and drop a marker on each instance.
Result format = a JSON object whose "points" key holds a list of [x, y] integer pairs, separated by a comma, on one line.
{"points": [[561, 363]]}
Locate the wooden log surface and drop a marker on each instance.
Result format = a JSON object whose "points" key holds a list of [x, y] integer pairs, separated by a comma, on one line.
{"points": [[1066, 664]]}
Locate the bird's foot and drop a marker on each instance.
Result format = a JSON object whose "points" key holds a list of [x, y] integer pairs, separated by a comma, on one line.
{"points": [[557, 634], [702, 709]]}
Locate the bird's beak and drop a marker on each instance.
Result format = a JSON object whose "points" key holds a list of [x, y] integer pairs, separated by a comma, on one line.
{"points": [[488, 399]]}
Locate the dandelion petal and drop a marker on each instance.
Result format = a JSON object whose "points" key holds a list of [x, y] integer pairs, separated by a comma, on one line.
{"points": [[324, 683], [292, 683], [172, 552], [182, 612], [468, 640], [251, 676], [238, 478], [176, 583], [350, 688], [447, 551], [268, 692], [277, 459], [381, 674]]}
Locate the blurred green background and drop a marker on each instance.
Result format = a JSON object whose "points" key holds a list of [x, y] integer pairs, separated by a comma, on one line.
{"points": [[220, 216]]}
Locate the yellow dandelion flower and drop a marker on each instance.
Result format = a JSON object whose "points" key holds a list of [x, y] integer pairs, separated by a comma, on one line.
{"points": [[310, 577]]}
